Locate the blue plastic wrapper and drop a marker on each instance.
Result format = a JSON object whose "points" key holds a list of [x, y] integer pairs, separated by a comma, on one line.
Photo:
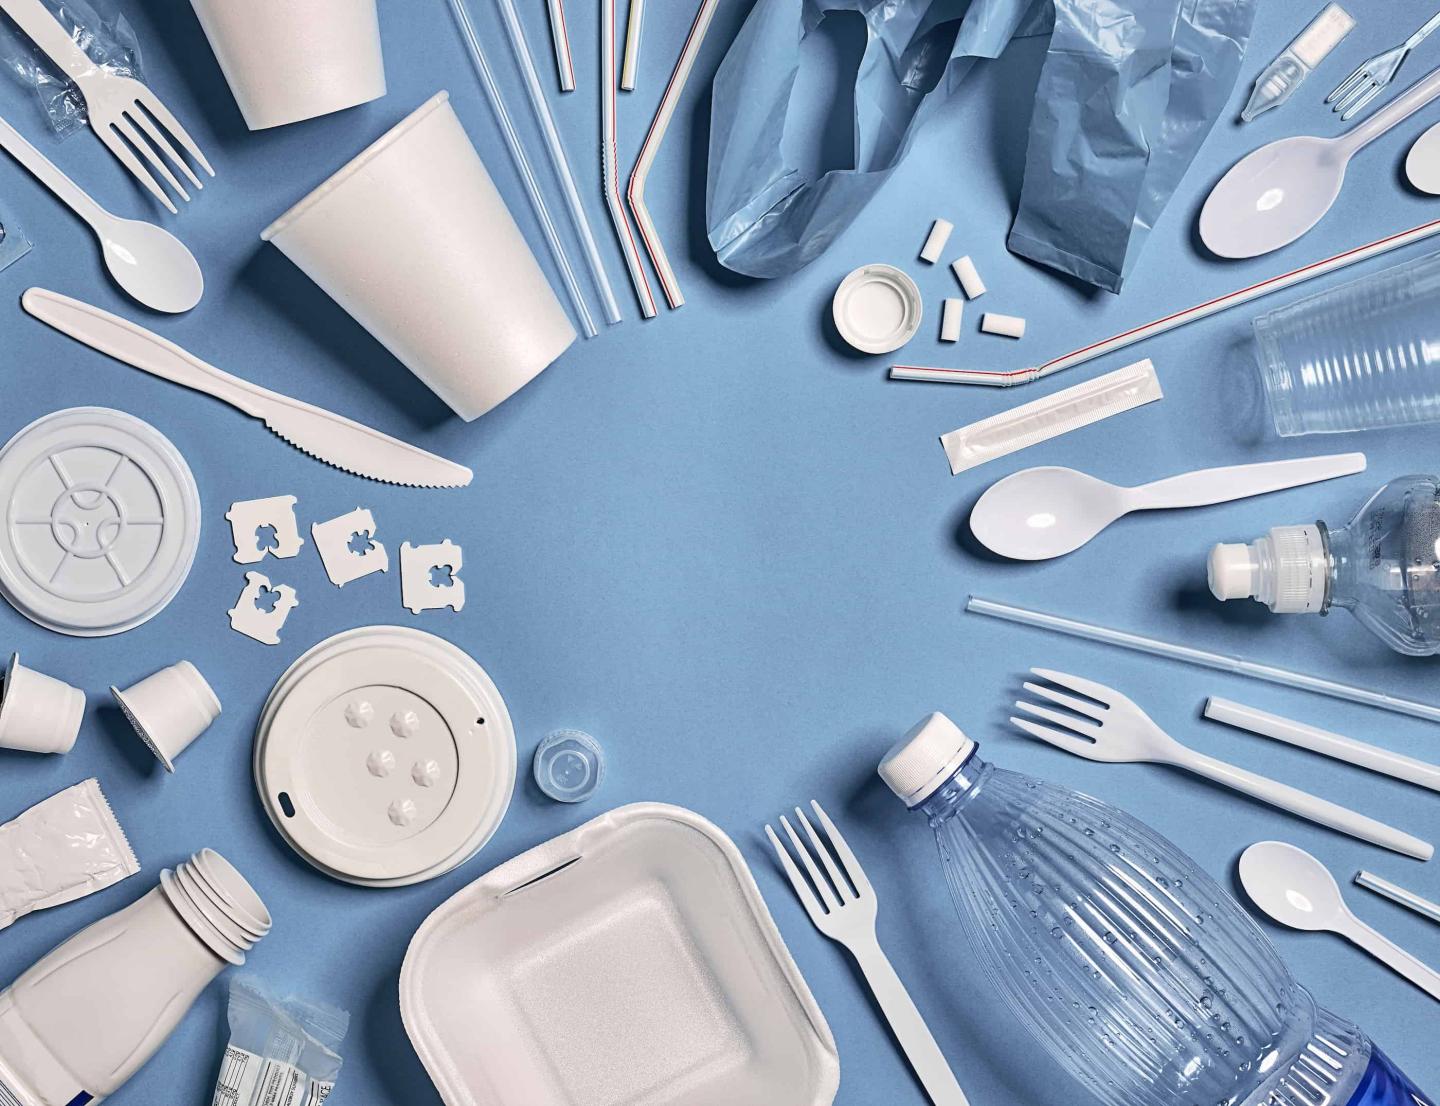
{"points": [[1129, 90]]}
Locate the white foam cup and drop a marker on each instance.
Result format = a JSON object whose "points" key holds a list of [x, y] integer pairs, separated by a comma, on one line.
{"points": [[414, 241]]}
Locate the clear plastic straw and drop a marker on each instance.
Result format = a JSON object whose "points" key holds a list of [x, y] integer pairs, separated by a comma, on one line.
{"points": [[1009, 378], [523, 167], [1203, 658], [560, 36], [556, 150], [1387, 890], [633, 25]]}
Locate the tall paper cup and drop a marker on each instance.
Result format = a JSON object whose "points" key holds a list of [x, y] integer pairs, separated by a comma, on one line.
{"points": [[287, 60], [414, 241]]}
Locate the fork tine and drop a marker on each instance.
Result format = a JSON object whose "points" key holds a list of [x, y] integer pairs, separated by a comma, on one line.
{"points": [[127, 130], [1061, 740], [1344, 86], [1069, 702], [1356, 91], [163, 144], [1354, 108], [827, 893], [151, 103], [802, 889], [842, 886], [1106, 695], [1064, 721], [843, 851], [127, 157]]}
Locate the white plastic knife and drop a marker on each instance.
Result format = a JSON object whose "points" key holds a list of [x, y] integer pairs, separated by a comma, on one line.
{"points": [[326, 436]]}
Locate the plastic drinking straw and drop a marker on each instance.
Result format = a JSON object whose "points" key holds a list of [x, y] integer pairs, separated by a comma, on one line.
{"points": [[1205, 659], [522, 165], [632, 45], [1007, 379], [609, 158], [651, 149], [564, 63], [1387, 890], [556, 150]]}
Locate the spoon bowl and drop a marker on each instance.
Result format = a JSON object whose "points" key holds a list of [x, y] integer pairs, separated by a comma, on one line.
{"points": [[153, 266], [1292, 887], [1045, 512], [1422, 164], [1272, 196]]}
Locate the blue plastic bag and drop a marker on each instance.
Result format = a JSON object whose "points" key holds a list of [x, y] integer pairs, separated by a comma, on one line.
{"points": [[1129, 90]]}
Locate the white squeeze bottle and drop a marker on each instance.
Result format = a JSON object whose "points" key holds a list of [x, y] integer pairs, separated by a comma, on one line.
{"points": [[1132, 967], [82, 1021], [1383, 567]]}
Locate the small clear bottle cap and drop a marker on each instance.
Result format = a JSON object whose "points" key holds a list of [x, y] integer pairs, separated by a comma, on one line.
{"points": [[569, 766]]}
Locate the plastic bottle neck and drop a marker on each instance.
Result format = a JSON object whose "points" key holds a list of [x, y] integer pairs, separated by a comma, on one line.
{"points": [[957, 791]]}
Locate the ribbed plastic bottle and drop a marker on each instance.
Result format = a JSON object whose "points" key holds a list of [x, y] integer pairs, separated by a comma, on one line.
{"points": [[87, 1015], [1130, 965], [1384, 567]]}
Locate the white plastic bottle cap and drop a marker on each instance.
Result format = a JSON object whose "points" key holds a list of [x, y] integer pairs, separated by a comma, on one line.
{"points": [[169, 709], [921, 761], [877, 308], [1288, 570], [935, 243], [1231, 571]]}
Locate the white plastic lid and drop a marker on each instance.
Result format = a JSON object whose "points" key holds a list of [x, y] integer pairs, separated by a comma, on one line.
{"points": [[921, 761], [1287, 570], [385, 756], [102, 520], [877, 308]]}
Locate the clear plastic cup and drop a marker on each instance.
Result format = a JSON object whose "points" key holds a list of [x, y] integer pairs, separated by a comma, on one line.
{"points": [[1358, 357]]}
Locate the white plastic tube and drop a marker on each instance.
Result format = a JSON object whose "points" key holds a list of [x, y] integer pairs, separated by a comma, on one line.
{"points": [[952, 317], [1009, 378], [935, 241], [560, 36], [1396, 894], [651, 149], [1202, 657], [633, 26], [1323, 742], [559, 163], [522, 164], [968, 276], [1007, 326], [610, 156]]}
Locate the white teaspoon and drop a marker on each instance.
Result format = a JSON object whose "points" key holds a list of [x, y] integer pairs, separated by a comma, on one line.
{"points": [[1039, 513], [148, 262], [1298, 891]]}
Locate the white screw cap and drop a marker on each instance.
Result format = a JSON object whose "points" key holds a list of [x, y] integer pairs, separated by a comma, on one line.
{"points": [[927, 756], [1231, 571]]}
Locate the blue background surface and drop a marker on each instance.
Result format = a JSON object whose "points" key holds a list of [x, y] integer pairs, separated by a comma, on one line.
{"points": [[723, 544]]}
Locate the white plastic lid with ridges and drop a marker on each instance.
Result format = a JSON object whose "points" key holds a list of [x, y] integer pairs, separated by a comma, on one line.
{"points": [[1287, 570], [921, 761]]}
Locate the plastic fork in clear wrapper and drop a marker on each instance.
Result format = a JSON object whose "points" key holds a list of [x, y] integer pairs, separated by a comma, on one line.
{"points": [[1375, 74], [1070, 409]]}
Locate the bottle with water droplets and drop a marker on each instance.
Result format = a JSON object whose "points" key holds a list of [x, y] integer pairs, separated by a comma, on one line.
{"points": [[1129, 964]]}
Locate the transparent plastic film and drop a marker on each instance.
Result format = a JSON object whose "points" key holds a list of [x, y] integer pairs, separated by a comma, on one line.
{"points": [[61, 849], [13, 243], [282, 1052], [1111, 394], [97, 27]]}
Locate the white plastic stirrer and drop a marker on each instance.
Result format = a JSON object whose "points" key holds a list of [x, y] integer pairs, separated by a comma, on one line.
{"points": [[1275, 194], [1298, 891]]}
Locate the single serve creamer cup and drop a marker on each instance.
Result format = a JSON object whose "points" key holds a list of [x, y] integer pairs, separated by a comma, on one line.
{"points": [[169, 709], [287, 60], [414, 241], [38, 713]]}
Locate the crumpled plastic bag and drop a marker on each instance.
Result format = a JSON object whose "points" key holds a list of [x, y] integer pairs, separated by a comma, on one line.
{"points": [[98, 28], [1129, 90]]}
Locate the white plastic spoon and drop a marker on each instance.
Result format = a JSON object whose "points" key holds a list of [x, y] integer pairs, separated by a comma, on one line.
{"points": [[1296, 890], [1272, 196], [1040, 513], [1422, 164], [148, 262]]}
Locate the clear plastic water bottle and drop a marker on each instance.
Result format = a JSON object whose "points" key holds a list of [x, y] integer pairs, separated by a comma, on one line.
{"points": [[1357, 357], [1128, 963], [1384, 567]]}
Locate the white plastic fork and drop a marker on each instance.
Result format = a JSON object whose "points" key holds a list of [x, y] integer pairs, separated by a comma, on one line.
{"points": [[843, 907], [1119, 732], [124, 114], [1375, 74]]}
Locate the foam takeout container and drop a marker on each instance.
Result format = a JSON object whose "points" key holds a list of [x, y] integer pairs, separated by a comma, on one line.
{"points": [[630, 962]]}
